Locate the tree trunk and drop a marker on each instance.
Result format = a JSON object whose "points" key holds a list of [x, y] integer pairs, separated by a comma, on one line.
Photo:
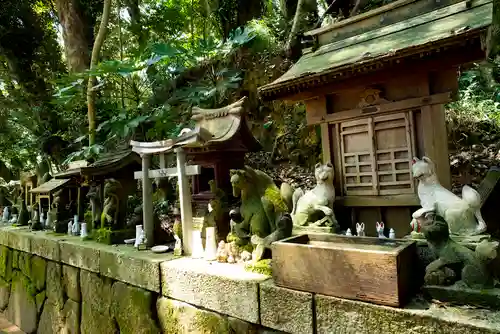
{"points": [[493, 39], [101, 35], [76, 34], [135, 22]]}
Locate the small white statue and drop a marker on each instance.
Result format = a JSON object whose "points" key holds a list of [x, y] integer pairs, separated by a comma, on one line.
{"points": [[197, 252], [380, 230], [360, 229], [320, 198], [392, 234], [42, 219], [178, 245], [222, 252], [463, 215], [83, 232], [246, 256], [348, 232], [70, 227], [139, 232], [13, 220], [210, 244], [6, 214], [139, 242]]}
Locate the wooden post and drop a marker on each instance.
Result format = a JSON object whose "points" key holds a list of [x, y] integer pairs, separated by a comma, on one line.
{"points": [[185, 201], [147, 201]]}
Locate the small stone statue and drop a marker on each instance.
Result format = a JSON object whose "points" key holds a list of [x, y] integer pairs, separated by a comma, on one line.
{"points": [[380, 230], [348, 232], [360, 229], [35, 222], [76, 226], [320, 198], [13, 220], [222, 252], [95, 200], [392, 234], [456, 264], [42, 219], [463, 215], [245, 256]]}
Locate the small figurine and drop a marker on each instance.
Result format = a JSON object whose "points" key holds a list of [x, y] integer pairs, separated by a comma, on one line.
{"points": [[360, 229], [138, 232], [70, 227], [13, 220], [380, 230], [246, 256], [348, 232], [392, 234], [42, 219], [222, 252], [35, 222], [6, 214], [83, 232], [210, 244], [140, 241], [197, 252]]}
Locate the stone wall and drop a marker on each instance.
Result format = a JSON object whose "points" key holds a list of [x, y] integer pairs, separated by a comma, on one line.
{"points": [[60, 284]]}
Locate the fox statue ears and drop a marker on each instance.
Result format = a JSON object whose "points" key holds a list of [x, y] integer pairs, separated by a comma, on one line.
{"points": [[380, 225], [426, 159]]}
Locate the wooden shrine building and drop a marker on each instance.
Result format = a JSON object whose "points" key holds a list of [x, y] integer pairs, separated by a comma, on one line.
{"points": [[119, 165], [217, 143], [377, 84]]}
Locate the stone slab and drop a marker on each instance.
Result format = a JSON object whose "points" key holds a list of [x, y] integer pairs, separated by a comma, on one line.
{"points": [[19, 238], [46, 245], [220, 287], [336, 315], [140, 268], [488, 298], [286, 310], [80, 254]]}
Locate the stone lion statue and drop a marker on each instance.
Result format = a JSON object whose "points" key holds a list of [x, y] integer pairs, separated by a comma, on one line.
{"points": [[319, 199], [463, 215]]}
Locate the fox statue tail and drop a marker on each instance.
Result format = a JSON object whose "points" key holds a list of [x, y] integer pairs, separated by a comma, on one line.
{"points": [[472, 197], [297, 194]]}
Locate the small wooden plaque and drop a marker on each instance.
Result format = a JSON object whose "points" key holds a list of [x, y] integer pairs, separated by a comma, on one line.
{"points": [[362, 268]]}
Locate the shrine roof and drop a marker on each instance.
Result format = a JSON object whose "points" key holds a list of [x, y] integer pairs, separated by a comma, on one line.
{"points": [[107, 163], [213, 126], [49, 186], [450, 25]]}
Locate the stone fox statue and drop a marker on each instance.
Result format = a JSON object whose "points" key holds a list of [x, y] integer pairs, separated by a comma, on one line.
{"points": [[264, 210], [94, 195], [460, 213], [456, 263], [319, 199]]}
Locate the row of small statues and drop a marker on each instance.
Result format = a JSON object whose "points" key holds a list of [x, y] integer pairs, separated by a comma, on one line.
{"points": [[360, 230]]}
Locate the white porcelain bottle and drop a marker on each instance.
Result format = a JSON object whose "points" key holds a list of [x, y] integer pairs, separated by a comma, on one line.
{"points": [[197, 245], [138, 235]]}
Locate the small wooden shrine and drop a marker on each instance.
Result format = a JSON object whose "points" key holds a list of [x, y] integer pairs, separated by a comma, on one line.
{"points": [[230, 140], [119, 165], [377, 84], [218, 143]]}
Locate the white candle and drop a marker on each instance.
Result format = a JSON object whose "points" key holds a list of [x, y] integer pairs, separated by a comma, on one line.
{"points": [[197, 245], [210, 244]]}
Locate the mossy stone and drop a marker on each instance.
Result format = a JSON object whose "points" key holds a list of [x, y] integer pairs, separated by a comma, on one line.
{"points": [[71, 313], [40, 299], [22, 310], [25, 263], [96, 304], [5, 263], [178, 317], [15, 259], [131, 308], [71, 282], [260, 267], [38, 272], [55, 292], [4, 294], [51, 319]]}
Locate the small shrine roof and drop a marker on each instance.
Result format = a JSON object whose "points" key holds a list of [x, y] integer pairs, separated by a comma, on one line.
{"points": [[107, 163], [213, 126], [49, 186], [442, 27]]}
